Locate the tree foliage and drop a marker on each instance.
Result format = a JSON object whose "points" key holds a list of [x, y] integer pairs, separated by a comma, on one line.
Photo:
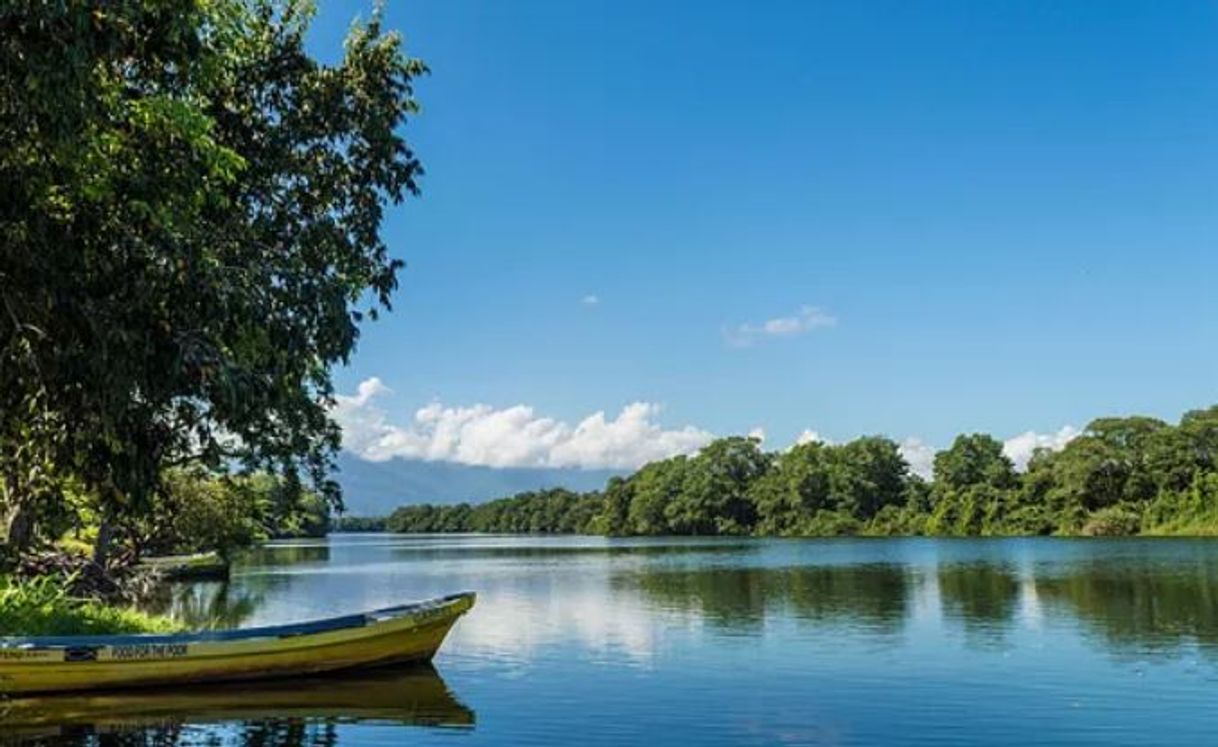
{"points": [[554, 511], [190, 208], [1121, 476], [199, 512]]}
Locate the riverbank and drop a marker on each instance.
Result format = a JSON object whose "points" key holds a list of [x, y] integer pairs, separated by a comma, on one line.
{"points": [[829, 526], [45, 606]]}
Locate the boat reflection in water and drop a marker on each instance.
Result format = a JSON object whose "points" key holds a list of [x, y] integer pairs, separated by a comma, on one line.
{"points": [[300, 712]]}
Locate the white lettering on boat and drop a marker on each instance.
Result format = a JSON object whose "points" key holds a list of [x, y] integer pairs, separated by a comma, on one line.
{"points": [[27, 655], [148, 651]]}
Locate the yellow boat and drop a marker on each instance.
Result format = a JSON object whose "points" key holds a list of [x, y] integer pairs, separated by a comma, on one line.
{"points": [[397, 635]]}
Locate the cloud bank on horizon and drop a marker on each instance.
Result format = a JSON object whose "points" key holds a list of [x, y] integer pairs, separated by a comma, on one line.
{"points": [[515, 436], [486, 436]]}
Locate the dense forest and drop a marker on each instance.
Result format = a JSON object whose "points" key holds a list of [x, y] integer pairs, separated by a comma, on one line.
{"points": [[1122, 476]]}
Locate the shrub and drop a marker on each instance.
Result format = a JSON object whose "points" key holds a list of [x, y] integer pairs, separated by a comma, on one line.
{"points": [[1120, 520], [829, 524], [43, 607], [897, 521], [1192, 511]]}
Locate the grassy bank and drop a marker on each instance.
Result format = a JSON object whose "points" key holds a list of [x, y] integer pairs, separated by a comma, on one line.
{"points": [[44, 607]]}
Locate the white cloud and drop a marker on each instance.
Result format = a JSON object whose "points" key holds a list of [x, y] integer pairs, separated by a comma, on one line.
{"points": [[509, 437], [1019, 449], [518, 437], [920, 455], [590, 300], [805, 320], [807, 436]]}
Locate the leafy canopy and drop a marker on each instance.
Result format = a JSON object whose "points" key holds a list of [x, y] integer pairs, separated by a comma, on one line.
{"points": [[190, 208], [1122, 476]]}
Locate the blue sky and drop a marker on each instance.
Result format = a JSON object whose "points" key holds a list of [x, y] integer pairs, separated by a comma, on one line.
{"points": [[963, 216]]}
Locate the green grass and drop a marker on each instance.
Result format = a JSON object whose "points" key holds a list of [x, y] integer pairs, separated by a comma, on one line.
{"points": [[1192, 526], [43, 607]]}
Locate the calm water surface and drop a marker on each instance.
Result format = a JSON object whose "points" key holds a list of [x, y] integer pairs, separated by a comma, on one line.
{"points": [[825, 642]]}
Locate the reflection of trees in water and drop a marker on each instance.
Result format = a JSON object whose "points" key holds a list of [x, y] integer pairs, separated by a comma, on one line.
{"points": [[289, 734], [1141, 605], [984, 597], [214, 604], [206, 605], [286, 733], [692, 550], [251, 734], [266, 584], [873, 596], [285, 554], [291, 713], [1149, 606]]}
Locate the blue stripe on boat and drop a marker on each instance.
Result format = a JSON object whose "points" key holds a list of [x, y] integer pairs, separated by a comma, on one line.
{"points": [[240, 634]]}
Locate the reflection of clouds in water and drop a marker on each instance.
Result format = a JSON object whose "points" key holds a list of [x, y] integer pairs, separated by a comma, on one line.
{"points": [[535, 594], [1031, 612], [924, 604], [611, 601], [508, 625], [819, 641]]}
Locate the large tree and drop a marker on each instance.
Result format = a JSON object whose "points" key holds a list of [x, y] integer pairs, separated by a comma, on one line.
{"points": [[713, 498], [794, 489], [974, 459], [190, 208]]}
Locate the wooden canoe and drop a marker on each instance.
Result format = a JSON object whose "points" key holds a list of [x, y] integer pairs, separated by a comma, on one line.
{"points": [[396, 635], [204, 566]]}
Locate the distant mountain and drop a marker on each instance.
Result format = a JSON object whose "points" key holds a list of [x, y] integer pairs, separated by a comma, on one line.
{"points": [[377, 488]]}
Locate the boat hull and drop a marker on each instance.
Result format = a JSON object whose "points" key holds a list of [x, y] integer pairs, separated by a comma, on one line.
{"points": [[397, 636]]}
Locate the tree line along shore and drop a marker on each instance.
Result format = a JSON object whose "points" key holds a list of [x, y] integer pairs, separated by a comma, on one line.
{"points": [[1121, 476]]}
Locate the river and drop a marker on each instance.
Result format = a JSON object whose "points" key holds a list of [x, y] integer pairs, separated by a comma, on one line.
{"points": [[589, 641]]}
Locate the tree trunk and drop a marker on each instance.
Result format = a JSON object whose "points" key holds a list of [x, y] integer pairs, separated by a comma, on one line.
{"points": [[18, 532], [105, 537]]}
